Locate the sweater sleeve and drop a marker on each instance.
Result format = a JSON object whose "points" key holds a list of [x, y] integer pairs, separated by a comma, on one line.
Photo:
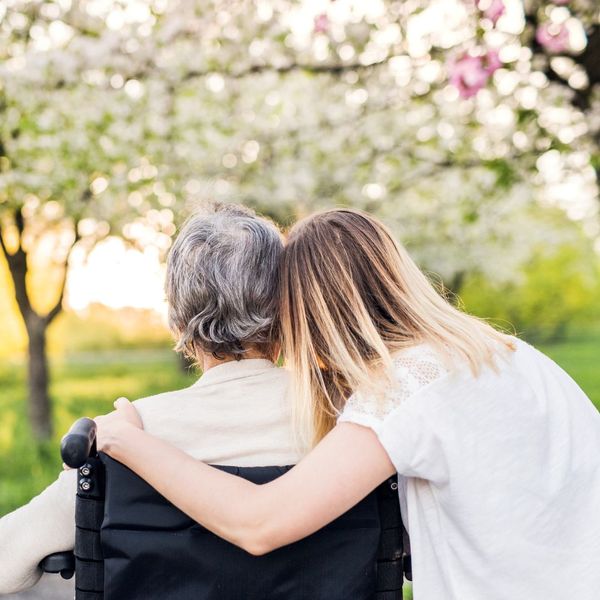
{"points": [[43, 526]]}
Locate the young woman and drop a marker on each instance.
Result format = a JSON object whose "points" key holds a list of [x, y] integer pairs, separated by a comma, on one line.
{"points": [[498, 449]]}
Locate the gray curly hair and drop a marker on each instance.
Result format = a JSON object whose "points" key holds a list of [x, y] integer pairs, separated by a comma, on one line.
{"points": [[222, 277]]}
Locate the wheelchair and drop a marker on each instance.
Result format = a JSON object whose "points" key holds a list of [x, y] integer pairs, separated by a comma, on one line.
{"points": [[132, 544]]}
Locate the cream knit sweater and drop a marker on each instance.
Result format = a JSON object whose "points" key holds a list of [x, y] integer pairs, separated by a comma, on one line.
{"points": [[237, 413]]}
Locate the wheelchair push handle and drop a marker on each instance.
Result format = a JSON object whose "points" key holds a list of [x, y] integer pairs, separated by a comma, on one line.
{"points": [[78, 443]]}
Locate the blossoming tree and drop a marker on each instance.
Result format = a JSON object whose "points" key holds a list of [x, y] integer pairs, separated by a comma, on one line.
{"points": [[458, 121]]}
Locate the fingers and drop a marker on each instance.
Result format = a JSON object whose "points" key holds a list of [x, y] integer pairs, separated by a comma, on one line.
{"points": [[122, 403], [127, 410]]}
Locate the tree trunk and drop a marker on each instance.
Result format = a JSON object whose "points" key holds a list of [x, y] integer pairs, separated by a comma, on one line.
{"points": [[39, 408], [39, 399]]}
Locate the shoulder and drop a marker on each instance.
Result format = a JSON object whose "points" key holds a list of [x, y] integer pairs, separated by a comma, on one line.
{"points": [[418, 366], [214, 399], [160, 398], [414, 369], [160, 402]]}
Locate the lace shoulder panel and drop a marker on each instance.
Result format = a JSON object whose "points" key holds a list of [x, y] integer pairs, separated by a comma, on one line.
{"points": [[414, 368]]}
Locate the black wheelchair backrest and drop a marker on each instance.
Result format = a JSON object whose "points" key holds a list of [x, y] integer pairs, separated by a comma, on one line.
{"points": [[132, 543]]}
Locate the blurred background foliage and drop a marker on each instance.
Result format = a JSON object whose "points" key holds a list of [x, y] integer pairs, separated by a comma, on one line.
{"points": [[471, 127], [555, 296]]}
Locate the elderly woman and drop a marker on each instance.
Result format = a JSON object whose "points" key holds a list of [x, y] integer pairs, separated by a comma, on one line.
{"points": [[221, 289]]}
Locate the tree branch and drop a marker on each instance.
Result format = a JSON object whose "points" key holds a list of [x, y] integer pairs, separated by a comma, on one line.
{"points": [[17, 265], [57, 308], [3, 245], [150, 69], [588, 60], [331, 68]]}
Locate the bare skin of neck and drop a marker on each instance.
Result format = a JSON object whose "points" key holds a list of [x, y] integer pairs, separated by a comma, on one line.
{"points": [[208, 361]]}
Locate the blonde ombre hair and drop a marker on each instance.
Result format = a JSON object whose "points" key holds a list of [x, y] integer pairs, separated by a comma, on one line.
{"points": [[351, 297]]}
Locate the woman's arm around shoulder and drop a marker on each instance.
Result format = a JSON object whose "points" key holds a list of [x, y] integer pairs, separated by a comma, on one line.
{"points": [[341, 470]]}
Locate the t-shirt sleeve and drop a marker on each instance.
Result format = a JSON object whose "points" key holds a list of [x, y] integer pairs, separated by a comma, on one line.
{"points": [[400, 419]]}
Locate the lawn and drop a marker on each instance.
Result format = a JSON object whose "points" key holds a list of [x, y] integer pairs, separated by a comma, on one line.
{"points": [[580, 358]]}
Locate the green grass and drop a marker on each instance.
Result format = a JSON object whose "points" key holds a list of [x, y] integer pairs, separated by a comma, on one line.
{"points": [[580, 358]]}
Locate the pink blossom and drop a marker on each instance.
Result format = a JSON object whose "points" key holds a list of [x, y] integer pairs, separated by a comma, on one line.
{"points": [[470, 73], [561, 2], [494, 10], [555, 38], [492, 62], [321, 23]]}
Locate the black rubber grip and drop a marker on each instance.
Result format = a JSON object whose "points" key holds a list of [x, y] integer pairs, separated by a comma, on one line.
{"points": [[59, 562], [76, 445]]}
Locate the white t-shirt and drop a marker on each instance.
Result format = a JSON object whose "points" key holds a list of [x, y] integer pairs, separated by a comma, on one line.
{"points": [[500, 476]]}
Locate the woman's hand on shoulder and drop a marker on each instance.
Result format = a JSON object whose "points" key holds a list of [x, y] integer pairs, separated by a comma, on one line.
{"points": [[117, 425]]}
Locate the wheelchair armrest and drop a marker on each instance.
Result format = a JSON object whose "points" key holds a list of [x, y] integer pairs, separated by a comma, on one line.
{"points": [[59, 562]]}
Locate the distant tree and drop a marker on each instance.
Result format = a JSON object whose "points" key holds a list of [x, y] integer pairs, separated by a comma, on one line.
{"points": [[57, 158], [69, 158]]}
